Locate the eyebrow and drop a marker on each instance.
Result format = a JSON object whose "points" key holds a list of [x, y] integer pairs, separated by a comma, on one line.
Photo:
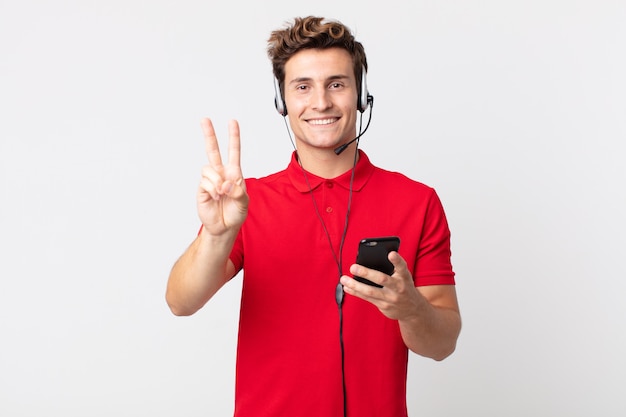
{"points": [[306, 79]]}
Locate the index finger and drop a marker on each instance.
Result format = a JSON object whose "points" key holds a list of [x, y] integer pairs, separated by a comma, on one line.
{"points": [[234, 144], [210, 143]]}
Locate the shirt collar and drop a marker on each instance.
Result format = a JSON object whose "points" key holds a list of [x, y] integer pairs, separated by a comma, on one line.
{"points": [[362, 173]]}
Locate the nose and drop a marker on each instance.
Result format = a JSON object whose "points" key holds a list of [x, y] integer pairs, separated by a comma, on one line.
{"points": [[320, 99]]}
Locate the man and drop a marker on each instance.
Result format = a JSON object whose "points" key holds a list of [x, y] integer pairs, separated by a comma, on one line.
{"points": [[305, 348]]}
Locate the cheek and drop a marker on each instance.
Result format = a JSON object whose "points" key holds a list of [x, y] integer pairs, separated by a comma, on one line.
{"points": [[295, 103]]}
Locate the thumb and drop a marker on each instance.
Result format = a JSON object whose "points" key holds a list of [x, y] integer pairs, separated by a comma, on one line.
{"points": [[235, 190], [397, 261]]}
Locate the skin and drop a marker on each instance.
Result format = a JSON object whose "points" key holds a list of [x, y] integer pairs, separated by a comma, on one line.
{"points": [[321, 96]]}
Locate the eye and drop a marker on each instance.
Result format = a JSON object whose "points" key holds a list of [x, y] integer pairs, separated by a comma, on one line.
{"points": [[335, 85]]}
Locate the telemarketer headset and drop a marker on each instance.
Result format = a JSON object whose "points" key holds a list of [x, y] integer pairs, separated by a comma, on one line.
{"points": [[364, 101]]}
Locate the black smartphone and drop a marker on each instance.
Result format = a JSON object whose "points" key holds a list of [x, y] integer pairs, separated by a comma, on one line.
{"points": [[373, 253]]}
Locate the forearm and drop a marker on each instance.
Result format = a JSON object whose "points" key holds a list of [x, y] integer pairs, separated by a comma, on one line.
{"points": [[432, 331], [199, 273]]}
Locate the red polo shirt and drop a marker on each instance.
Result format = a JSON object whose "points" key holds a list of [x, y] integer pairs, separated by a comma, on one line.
{"points": [[288, 355]]}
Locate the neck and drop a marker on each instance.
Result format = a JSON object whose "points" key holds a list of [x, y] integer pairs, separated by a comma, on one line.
{"points": [[325, 163]]}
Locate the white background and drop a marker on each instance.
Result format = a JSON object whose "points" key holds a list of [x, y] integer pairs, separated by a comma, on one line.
{"points": [[514, 111]]}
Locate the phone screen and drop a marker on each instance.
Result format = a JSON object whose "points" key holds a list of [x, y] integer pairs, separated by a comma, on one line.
{"points": [[373, 254]]}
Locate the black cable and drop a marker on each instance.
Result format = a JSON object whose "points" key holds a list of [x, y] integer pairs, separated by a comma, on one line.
{"points": [[343, 370]]}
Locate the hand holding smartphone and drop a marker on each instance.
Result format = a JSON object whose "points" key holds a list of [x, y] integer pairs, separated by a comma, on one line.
{"points": [[373, 253]]}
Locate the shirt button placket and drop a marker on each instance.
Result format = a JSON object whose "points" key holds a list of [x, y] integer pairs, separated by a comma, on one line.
{"points": [[329, 185]]}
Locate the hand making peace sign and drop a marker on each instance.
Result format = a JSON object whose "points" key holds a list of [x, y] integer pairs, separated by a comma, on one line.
{"points": [[222, 197]]}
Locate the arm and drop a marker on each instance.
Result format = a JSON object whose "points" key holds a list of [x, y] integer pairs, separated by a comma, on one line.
{"points": [[222, 206], [433, 329], [199, 273], [428, 317]]}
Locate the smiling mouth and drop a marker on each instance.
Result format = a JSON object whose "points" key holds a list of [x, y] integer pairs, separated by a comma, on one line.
{"points": [[321, 122]]}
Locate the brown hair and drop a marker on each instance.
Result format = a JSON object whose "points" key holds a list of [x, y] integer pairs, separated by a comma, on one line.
{"points": [[313, 33]]}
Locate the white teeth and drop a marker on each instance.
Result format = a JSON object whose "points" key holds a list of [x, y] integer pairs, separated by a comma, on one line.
{"points": [[322, 122]]}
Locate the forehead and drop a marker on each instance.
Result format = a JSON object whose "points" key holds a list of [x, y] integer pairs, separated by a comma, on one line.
{"points": [[319, 64]]}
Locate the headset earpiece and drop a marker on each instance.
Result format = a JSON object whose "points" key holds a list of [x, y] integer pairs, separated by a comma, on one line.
{"points": [[279, 102], [364, 99]]}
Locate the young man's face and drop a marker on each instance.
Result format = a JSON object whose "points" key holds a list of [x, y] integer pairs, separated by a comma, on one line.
{"points": [[321, 97]]}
